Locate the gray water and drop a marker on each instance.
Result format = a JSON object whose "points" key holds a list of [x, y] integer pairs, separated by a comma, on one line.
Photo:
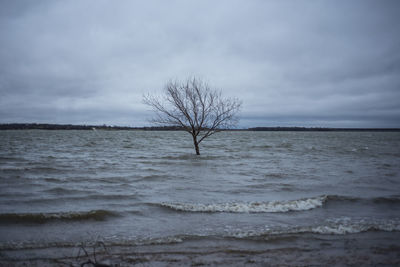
{"points": [[139, 188]]}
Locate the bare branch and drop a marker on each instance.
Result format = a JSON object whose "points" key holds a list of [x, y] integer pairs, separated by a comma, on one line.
{"points": [[195, 107]]}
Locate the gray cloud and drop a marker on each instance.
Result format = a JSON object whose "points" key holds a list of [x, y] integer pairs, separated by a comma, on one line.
{"points": [[312, 63]]}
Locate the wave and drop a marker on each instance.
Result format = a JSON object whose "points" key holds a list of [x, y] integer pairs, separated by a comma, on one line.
{"points": [[394, 199], [154, 177], [62, 190], [167, 240], [40, 218], [274, 175], [337, 227], [108, 180], [389, 200], [340, 226], [284, 145], [251, 207], [303, 204], [109, 197], [35, 170], [7, 159], [86, 197]]}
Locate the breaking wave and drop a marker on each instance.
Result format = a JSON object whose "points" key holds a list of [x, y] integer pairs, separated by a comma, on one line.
{"points": [[340, 226], [40, 218], [251, 207], [271, 206]]}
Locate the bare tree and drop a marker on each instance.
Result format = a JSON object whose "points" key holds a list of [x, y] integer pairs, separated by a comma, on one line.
{"points": [[194, 106]]}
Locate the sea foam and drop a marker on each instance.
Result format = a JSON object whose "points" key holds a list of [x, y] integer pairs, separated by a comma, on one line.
{"points": [[250, 207], [340, 226], [343, 226]]}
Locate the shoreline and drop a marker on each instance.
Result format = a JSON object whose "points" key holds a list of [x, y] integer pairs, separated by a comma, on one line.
{"points": [[369, 248]]}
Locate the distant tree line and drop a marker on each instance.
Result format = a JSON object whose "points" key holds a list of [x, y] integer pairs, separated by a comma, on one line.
{"points": [[45, 126], [322, 129]]}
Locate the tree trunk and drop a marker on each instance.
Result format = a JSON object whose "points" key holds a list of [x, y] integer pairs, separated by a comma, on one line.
{"points": [[196, 145]]}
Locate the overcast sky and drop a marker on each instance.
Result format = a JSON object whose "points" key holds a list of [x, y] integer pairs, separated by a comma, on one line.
{"points": [[292, 63]]}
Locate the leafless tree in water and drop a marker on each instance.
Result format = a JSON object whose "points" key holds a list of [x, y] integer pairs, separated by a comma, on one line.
{"points": [[195, 107]]}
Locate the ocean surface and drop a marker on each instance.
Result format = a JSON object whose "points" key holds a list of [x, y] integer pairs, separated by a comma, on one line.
{"points": [[301, 197]]}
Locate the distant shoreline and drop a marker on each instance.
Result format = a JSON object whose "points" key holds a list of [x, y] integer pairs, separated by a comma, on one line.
{"points": [[46, 126]]}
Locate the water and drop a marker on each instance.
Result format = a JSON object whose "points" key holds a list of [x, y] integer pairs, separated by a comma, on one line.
{"points": [[248, 191]]}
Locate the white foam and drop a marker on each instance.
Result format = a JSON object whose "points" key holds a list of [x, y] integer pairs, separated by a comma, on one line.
{"points": [[251, 207], [344, 226], [341, 226], [159, 241]]}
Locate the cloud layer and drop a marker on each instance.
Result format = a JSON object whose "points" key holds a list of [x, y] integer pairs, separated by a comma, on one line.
{"points": [[299, 63]]}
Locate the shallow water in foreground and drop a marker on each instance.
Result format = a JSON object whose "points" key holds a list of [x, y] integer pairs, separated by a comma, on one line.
{"points": [[316, 195]]}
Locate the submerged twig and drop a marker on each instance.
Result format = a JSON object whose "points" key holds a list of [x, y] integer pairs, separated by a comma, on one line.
{"points": [[90, 261]]}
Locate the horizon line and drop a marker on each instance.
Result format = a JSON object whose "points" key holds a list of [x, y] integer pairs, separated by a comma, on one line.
{"points": [[68, 126]]}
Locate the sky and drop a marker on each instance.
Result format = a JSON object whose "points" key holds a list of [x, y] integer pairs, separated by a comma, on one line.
{"points": [[309, 63]]}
